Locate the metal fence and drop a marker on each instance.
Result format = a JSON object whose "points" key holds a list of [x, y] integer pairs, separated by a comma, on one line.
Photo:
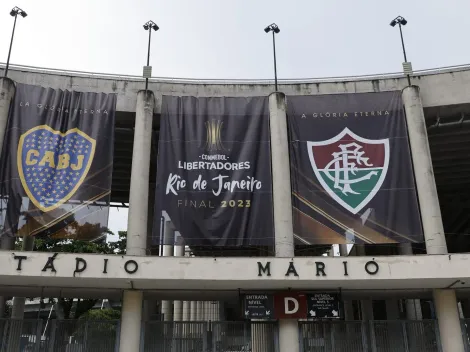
{"points": [[372, 336], [210, 336], [58, 335]]}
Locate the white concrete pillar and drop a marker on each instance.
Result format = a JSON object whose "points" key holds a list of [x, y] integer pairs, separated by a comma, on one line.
{"points": [[168, 239], [177, 310], [193, 311], [200, 310], [289, 335], [282, 204], [444, 300], [17, 310], [413, 306], [139, 192], [131, 317], [168, 251], [167, 310], [186, 310], [448, 317], [7, 91], [282, 193]]}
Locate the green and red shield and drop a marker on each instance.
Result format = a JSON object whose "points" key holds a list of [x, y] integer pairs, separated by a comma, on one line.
{"points": [[350, 168]]}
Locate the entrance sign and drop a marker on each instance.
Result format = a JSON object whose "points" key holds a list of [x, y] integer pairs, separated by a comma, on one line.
{"points": [[53, 182], [290, 305], [351, 170], [323, 305], [258, 306], [213, 175]]}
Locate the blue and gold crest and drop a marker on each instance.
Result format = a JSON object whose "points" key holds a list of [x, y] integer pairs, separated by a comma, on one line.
{"points": [[52, 165]]}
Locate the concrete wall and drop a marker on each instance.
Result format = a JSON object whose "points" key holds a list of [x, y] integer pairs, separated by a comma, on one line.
{"points": [[438, 88], [180, 273]]}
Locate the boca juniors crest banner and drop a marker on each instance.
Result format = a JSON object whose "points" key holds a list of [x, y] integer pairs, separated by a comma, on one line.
{"points": [[57, 163], [351, 170], [214, 171]]}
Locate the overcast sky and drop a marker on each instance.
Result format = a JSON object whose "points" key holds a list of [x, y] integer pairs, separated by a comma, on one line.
{"points": [[225, 38]]}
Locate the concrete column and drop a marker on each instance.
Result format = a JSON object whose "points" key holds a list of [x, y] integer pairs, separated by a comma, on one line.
{"points": [[289, 335], [282, 204], [178, 252], [413, 306], [17, 310], [168, 251], [7, 91], [186, 310], [343, 250], [131, 317], [283, 229], [193, 311], [177, 310], [139, 192], [448, 317], [445, 301], [200, 311]]}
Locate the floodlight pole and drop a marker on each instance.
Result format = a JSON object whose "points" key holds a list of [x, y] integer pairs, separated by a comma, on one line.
{"points": [[148, 57], [275, 64], [404, 51], [11, 44]]}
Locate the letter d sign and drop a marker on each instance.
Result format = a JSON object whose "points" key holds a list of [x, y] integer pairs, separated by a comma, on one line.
{"points": [[291, 305]]}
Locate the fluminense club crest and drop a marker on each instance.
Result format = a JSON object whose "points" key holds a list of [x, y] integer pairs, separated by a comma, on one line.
{"points": [[52, 165], [350, 168]]}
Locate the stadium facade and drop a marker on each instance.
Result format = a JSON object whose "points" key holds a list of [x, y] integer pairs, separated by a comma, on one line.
{"points": [[374, 278]]}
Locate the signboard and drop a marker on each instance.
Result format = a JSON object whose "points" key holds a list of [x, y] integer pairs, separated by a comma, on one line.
{"points": [[290, 305], [323, 305], [213, 176], [57, 162], [258, 306], [351, 170]]}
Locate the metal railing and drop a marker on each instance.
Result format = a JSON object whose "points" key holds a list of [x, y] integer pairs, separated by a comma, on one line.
{"points": [[210, 336], [371, 336], [255, 336], [18, 335]]}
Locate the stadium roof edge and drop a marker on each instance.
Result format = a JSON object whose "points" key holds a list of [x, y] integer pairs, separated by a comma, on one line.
{"points": [[52, 71]]}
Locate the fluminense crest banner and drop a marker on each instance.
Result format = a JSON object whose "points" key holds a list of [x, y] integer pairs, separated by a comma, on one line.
{"points": [[57, 162], [351, 170], [214, 172]]}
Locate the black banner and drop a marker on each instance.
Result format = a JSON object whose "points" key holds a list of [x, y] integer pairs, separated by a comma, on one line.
{"points": [[352, 178], [56, 163], [258, 306], [214, 171], [323, 306]]}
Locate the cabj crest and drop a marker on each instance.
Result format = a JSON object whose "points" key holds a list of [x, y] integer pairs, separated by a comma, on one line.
{"points": [[52, 165]]}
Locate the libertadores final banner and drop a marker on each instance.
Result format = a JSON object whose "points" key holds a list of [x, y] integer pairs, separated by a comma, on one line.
{"points": [[56, 164], [214, 171], [351, 170]]}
